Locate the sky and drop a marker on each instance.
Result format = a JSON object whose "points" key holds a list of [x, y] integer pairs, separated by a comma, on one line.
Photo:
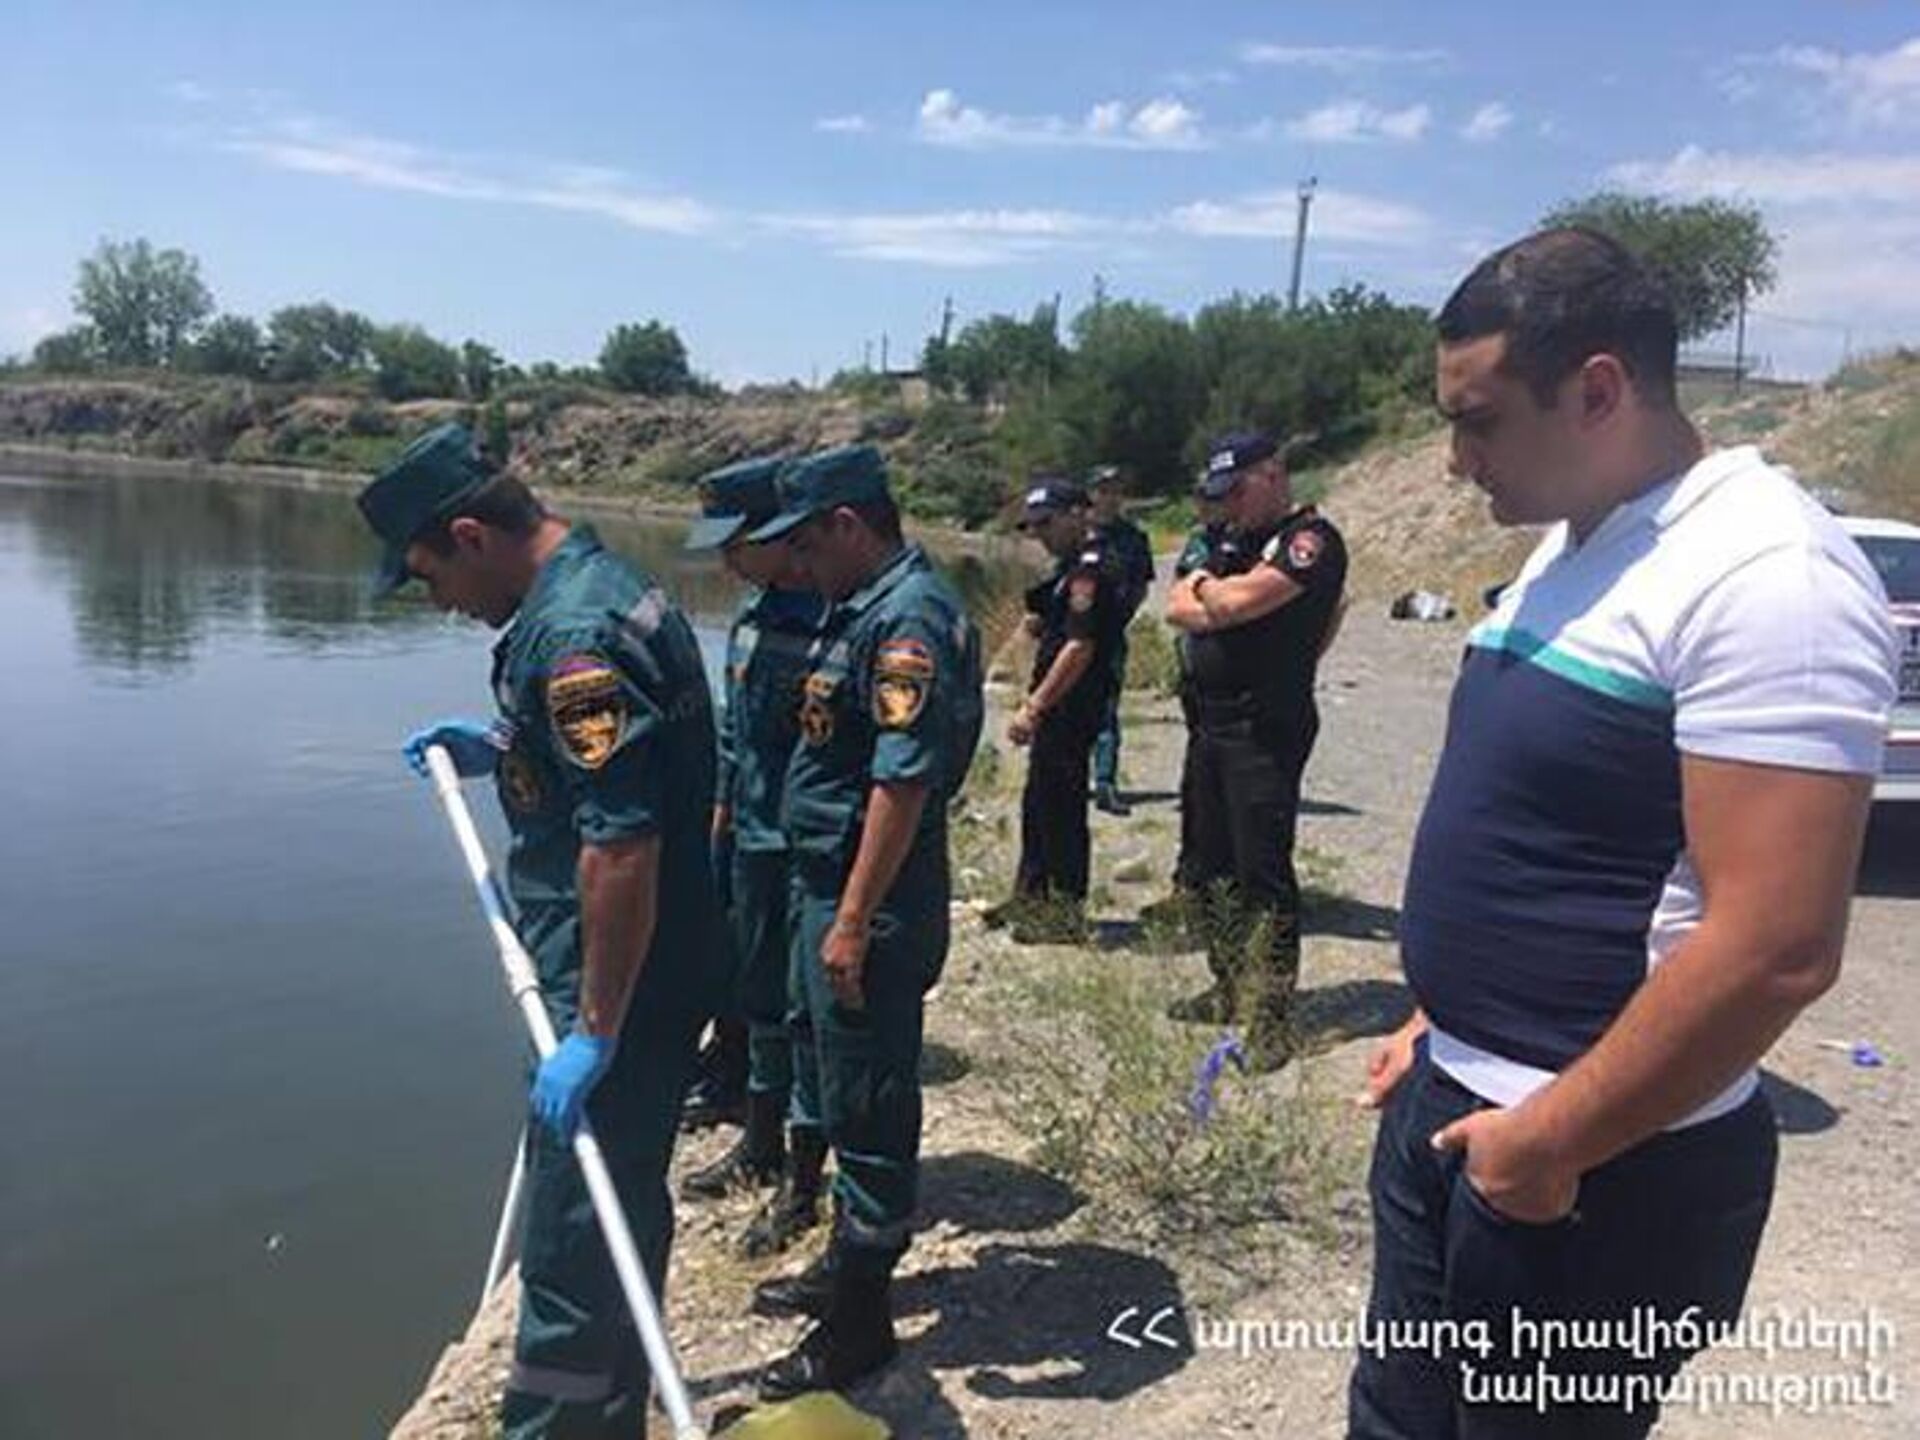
{"points": [[793, 186]]}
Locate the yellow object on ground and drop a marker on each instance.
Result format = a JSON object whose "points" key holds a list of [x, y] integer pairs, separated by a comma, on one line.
{"points": [[822, 1415]]}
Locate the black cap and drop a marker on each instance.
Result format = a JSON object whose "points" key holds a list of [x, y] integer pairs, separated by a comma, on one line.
{"points": [[1049, 495], [1231, 454]]}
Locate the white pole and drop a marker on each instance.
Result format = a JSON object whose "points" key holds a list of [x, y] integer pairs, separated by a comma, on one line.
{"points": [[525, 987], [509, 1222]]}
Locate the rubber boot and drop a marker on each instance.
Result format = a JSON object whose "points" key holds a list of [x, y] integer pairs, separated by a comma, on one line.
{"points": [[1106, 799], [794, 1208], [754, 1161], [853, 1341], [806, 1293]]}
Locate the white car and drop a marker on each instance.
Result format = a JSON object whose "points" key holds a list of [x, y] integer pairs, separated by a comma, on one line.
{"points": [[1894, 548]]}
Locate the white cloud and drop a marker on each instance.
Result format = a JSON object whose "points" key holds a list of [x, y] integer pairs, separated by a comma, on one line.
{"points": [[842, 124], [311, 149], [1769, 178], [1162, 123], [1874, 90], [1849, 234], [1489, 122], [941, 237], [1336, 215], [1353, 121], [189, 92], [21, 330], [1341, 59]]}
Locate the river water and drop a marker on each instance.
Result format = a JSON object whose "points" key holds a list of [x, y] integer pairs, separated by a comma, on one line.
{"points": [[262, 1077]]}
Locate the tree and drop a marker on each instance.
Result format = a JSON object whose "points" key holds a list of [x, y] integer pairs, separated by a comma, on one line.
{"points": [[1708, 253], [479, 370], [230, 345], [144, 304], [995, 354], [73, 351], [646, 360], [306, 342], [1136, 389], [409, 364]]}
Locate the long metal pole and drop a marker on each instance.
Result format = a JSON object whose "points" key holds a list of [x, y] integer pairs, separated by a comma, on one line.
{"points": [[509, 1227], [525, 987]]}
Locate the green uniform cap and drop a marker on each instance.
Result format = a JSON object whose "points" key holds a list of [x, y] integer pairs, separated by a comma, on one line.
{"points": [[437, 470], [735, 498], [850, 475]]}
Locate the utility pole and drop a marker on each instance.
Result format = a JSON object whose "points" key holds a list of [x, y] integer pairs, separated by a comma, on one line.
{"points": [[946, 322], [1307, 187], [883, 352], [866, 355], [1740, 340]]}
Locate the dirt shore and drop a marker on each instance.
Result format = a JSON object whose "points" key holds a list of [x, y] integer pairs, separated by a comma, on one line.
{"points": [[1006, 1298]]}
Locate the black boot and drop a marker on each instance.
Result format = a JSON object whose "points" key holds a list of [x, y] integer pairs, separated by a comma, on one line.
{"points": [[794, 1208], [853, 1341], [1106, 799], [806, 1293], [718, 1095], [754, 1161]]}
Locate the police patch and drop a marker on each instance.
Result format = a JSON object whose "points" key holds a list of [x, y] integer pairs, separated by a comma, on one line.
{"points": [[587, 707], [1303, 548], [903, 672], [816, 708]]}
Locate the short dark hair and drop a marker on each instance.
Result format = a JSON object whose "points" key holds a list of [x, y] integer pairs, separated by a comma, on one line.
{"points": [[504, 503], [880, 516], [1561, 296]]}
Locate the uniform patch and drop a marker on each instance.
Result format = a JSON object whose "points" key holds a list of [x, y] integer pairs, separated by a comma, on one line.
{"points": [[1080, 594], [816, 708], [587, 707], [1303, 548], [903, 672]]}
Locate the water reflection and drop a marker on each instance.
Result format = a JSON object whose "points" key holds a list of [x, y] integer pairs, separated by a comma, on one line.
{"points": [[155, 569]]}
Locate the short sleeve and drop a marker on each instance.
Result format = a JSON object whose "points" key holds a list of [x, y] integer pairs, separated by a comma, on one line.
{"points": [[1089, 596], [603, 729], [1787, 660], [911, 673], [1311, 555]]}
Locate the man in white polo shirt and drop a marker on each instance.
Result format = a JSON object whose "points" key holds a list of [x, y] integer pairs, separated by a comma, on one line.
{"points": [[1632, 873]]}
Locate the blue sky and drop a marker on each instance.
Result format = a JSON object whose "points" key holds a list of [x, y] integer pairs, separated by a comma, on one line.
{"points": [[786, 183]]}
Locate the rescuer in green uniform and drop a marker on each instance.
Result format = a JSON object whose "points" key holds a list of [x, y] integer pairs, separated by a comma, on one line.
{"points": [[603, 757], [767, 649], [890, 713]]}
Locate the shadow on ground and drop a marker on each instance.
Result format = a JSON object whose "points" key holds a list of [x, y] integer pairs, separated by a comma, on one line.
{"points": [[1796, 1109], [1031, 1321], [986, 1193]]}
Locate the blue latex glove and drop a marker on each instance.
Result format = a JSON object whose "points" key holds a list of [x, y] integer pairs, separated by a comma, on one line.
{"points": [[475, 745], [566, 1078]]}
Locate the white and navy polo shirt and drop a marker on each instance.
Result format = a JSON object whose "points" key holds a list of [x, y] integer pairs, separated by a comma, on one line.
{"points": [[1721, 614]]}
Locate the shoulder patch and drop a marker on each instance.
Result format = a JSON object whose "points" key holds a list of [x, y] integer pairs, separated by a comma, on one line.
{"points": [[1080, 593], [587, 706], [1304, 547], [903, 674]]}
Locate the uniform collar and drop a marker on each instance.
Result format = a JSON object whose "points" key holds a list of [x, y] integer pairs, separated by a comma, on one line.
{"points": [[581, 541], [911, 557]]}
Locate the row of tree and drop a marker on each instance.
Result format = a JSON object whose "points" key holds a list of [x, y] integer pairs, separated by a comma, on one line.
{"points": [[145, 309]]}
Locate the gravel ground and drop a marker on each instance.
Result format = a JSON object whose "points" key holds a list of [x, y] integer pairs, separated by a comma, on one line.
{"points": [[1007, 1295]]}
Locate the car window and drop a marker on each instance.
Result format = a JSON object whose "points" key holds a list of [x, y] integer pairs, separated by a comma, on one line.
{"points": [[1898, 562]]}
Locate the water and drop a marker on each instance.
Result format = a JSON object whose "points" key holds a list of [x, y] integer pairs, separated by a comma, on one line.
{"points": [[263, 1082]]}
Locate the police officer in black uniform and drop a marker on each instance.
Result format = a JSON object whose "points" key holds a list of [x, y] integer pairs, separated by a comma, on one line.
{"points": [[1256, 625], [1208, 546], [1078, 614], [1131, 552]]}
